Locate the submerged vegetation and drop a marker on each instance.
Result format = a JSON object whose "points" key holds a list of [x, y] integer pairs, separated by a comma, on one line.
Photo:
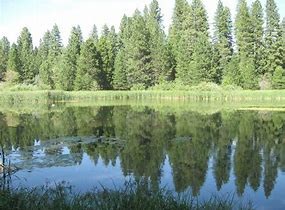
{"points": [[131, 196]]}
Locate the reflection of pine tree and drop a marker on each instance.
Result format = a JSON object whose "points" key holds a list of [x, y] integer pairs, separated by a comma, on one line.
{"points": [[109, 154], [119, 119], [189, 159], [189, 163], [92, 152], [64, 123], [104, 122], [76, 151], [247, 159], [85, 120], [256, 169], [149, 134], [143, 153], [271, 133], [222, 165], [4, 132], [270, 171], [282, 157], [223, 150]]}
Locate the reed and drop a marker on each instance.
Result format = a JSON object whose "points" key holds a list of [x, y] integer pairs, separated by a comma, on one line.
{"points": [[131, 196], [238, 96]]}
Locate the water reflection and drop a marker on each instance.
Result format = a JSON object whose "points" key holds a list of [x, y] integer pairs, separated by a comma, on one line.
{"points": [[251, 145]]}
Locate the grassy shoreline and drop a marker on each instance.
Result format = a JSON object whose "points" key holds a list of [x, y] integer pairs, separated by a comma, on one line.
{"points": [[204, 102], [14, 97], [131, 196]]}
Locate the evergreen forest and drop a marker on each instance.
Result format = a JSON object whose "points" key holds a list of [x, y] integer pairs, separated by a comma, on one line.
{"points": [[246, 51]]}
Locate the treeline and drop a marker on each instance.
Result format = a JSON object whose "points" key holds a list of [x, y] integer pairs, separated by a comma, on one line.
{"points": [[249, 52]]}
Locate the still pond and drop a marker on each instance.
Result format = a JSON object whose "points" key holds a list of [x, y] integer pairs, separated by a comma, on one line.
{"points": [[183, 149]]}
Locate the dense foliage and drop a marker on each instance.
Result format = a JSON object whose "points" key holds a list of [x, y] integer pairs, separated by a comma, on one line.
{"points": [[248, 52]]}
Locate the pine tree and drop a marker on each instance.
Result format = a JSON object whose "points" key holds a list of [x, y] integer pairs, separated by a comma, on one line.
{"points": [[94, 34], [120, 81], [278, 79], [245, 46], [243, 30], [50, 50], [25, 51], [194, 57], [107, 47], [181, 10], [44, 46], [258, 33], [283, 41], [232, 74], [13, 60], [138, 56], [87, 77], [44, 63], [223, 41], [272, 37], [13, 65], [247, 69], [55, 54], [55, 42], [203, 70], [4, 56], [160, 63], [70, 56]]}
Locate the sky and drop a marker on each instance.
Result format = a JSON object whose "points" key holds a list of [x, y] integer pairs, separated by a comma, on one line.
{"points": [[41, 15]]}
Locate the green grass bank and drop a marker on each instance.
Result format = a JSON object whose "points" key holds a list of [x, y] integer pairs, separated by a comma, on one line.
{"points": [[131, 196], [26, 97]]}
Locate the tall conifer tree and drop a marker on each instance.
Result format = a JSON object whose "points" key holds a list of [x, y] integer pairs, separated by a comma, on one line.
{"points": [[272, 37], [258, 34], [223, 41], [107, 47], [120, 68], [87, 76], [177, 28], [44, 63], [70, 56], [283, 41], [4, 56], [26, 56], [94, 34], [50, 50], [194, 58], [245, 46], [138, 54], [14, 59], [160, 56]]}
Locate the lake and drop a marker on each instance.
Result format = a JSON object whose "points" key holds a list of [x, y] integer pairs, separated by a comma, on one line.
{"points": [[185, 149]]}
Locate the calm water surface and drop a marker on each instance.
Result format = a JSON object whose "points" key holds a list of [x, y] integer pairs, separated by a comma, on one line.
{"points": [[205, 153]]}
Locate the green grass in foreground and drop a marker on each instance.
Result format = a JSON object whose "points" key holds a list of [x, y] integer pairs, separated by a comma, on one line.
{"points": [[129, 197]]}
